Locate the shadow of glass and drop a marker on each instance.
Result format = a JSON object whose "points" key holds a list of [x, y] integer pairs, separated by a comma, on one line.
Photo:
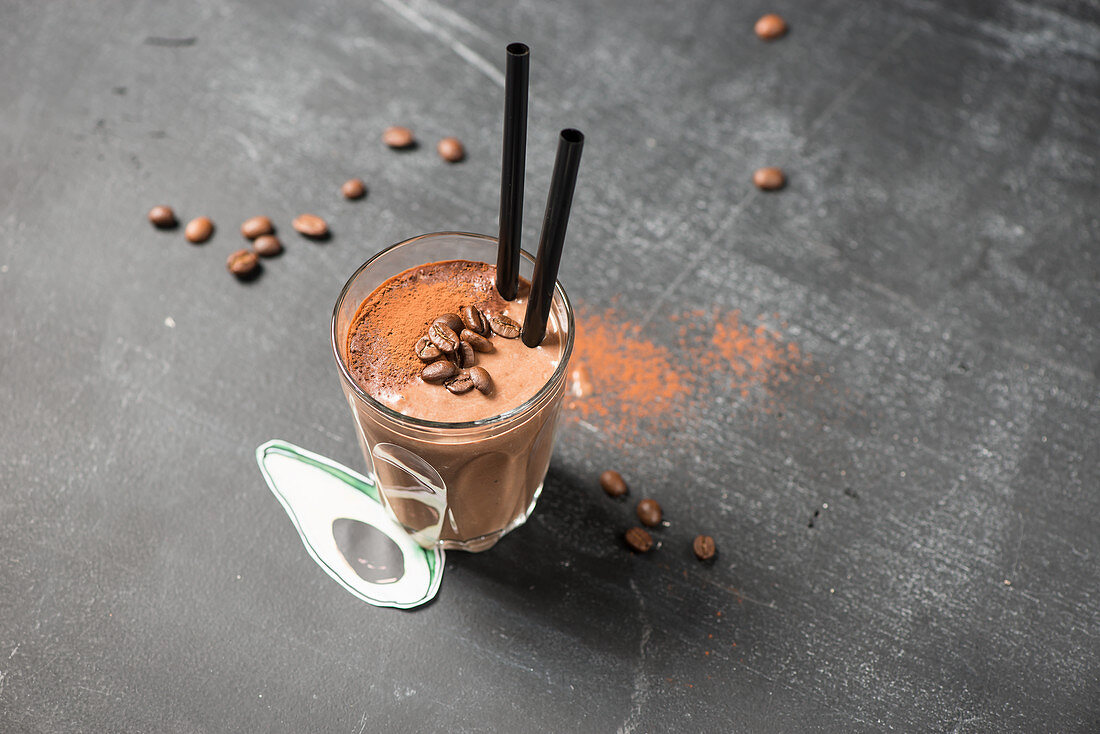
{"points": [[568, 574]]}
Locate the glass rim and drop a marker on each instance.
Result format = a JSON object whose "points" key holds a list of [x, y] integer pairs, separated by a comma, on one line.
{"points": [[442, 425]]}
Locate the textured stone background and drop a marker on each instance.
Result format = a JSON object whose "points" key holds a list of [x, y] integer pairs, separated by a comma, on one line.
{"points": [[936, 252]]}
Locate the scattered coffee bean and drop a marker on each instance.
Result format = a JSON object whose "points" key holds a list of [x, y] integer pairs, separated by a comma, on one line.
{"points": [[443, 337], [398, 137], [451, 150], [613, 483], [438, 371], [162, 217], [770, 27], [463, 383], [769, 178], [504, 326], [450, 320], [242, 263], [474, 320], [354, 189], [267, 245], [256, 226], [703, 545], [649, 512], [483, 381], [463, 355], [477, 341], [310, 225], [426, 351], [639, 540], [198, 230]]}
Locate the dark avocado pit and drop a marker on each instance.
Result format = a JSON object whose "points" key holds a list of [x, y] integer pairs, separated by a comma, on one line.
{"points": [[373, 555]]}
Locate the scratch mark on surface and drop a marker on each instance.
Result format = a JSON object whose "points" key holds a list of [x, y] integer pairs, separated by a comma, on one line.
{"points": [[164, 42], [962, 721], [464, 52], [454, 19], [702, 253], [321, 429], [853, 86], [821, 701], [641, 683], [1019, 544], [249, 148], [362, 723], [94, 690], [742, 596]]}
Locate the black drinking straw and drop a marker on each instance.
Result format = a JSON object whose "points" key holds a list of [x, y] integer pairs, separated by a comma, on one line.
{"points": [[513, 163], [562, 183]]}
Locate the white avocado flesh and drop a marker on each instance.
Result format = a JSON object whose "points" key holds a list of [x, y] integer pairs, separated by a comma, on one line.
{"points": [[346, 529]]}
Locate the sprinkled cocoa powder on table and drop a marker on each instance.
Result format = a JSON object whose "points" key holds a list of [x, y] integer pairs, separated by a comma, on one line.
{"points": [[750, 355], [629, 376], [637, 391]]}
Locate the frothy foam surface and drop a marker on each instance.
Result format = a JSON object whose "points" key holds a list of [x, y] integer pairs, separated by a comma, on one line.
{"points": [[395, 315]]}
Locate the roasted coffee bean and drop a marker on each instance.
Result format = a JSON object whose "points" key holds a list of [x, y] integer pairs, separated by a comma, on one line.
{"points": [[450, 320], [256, 226], [310, 225], [267, 245], [451, 150], [477, 341], [474, 320], [703, 545], [483, 381], [639, 540], [613, 483], [398, 137], [463, 355], [162, 217], [354, 189], [443, 337], [438, 371], [649, 512], [242, 263], [769, 178], [504, 326], [198, 230], [770, 27], [463, 383], [426, 351]]}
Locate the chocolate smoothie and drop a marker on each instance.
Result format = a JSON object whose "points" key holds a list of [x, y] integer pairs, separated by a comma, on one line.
{"points": [[462, 485]]}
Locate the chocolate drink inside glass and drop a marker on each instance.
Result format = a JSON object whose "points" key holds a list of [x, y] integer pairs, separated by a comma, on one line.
{"points": [[457, 469]]}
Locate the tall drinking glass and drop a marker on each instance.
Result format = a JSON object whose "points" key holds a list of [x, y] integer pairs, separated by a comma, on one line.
{"points": [[461, 485]]}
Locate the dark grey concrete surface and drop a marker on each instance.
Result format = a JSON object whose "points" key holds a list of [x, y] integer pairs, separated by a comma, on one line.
{"points": [[936, 251]]}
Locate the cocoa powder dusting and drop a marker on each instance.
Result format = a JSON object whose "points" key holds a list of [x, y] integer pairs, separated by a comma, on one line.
{"points": [[637, 391], [407, 303]]}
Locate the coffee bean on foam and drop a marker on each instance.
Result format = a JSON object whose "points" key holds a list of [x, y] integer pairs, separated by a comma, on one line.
{"points": [[482, 380], [438, 371]]}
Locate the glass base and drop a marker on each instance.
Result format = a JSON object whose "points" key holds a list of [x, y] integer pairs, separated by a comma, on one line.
{"points": [[485, 542]]}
